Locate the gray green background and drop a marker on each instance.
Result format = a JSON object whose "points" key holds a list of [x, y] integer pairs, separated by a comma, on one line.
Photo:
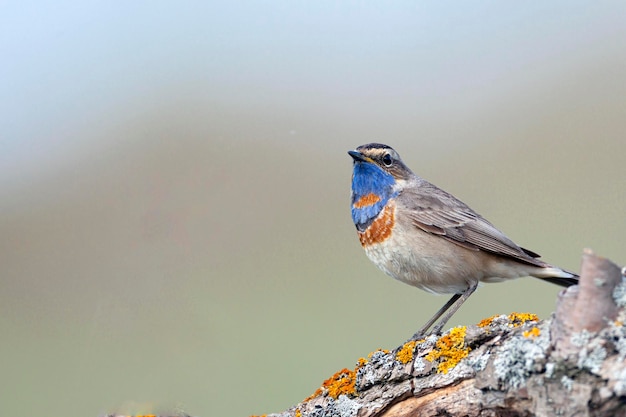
{"points": [[174, 183]]}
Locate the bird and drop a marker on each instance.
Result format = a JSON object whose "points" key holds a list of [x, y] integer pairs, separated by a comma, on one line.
{"points": [[423, 236]]}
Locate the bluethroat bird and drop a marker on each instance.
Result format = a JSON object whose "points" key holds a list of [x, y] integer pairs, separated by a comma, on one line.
{"points": [[425, 237]]}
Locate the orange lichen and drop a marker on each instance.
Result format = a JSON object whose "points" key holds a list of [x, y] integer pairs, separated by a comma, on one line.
{"points": [[517, 319], [367, 200], [534, 332], [298, 413], [487, 322], [380, 229], [342, 382], [450, 348], [405, 354]]}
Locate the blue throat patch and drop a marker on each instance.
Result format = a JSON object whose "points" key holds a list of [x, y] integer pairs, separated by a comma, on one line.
{"points": [[369, 179]]}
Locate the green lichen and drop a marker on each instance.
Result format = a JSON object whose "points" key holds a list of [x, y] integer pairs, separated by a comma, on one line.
{"points": [[518, 358]]}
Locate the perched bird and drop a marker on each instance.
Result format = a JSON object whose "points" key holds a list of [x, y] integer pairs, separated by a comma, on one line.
{"points": [[425, 237]]}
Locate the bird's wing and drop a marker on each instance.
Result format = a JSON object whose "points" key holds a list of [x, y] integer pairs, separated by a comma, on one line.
{"points": [[435, 211]]}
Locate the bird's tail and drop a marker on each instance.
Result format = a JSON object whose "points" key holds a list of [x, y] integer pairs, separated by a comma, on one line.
{"points": [[557, 276]]}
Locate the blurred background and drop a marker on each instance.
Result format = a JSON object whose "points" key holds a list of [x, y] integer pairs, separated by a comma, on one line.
{"points": [[174, 184]]}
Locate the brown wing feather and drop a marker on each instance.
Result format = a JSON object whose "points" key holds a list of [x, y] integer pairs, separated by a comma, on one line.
{"points": [[437, 212]]}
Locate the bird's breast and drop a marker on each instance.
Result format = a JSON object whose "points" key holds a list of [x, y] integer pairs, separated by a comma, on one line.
{"points": [[381, 228]]}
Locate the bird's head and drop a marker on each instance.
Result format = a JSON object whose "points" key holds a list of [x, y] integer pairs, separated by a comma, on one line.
{"points": [[376, 173], [375, 157]]}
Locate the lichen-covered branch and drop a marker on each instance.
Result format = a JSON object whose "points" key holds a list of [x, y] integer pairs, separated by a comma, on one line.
{"points": [[572, 364]]}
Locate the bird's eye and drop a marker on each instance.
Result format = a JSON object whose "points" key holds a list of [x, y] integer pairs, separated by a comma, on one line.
{"points": [[387, 160]]}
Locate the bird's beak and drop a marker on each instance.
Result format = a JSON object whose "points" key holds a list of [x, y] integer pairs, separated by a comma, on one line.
{"points": [[359, 157]]}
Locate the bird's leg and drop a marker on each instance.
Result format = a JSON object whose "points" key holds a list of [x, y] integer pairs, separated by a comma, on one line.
{"points": [[447, 311], [423, 330], [453, 309]]}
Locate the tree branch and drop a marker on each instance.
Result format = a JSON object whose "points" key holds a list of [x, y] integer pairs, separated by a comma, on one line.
{"points": [[572, 364]]}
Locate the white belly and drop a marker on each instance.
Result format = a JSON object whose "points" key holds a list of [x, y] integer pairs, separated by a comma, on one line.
{"points": [[436, 265]]}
